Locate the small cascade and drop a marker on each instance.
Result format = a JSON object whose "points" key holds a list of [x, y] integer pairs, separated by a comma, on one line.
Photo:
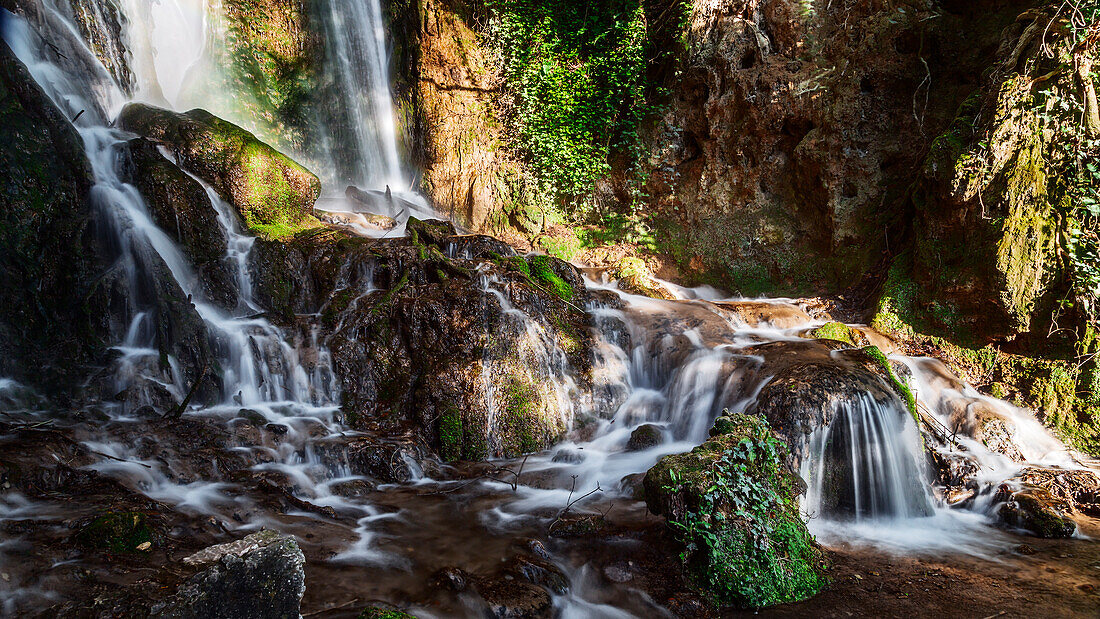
{"points": [[867, 465]]}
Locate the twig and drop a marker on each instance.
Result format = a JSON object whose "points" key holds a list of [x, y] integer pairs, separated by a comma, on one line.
{"points": [[177, 412], [325, 610]]}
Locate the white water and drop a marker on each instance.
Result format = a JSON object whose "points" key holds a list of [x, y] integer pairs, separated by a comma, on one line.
{"points": [[179, 51], [678, 378]]}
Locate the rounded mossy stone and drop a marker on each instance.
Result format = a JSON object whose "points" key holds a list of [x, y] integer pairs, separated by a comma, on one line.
{"points": [[733, 503], [268, 189]]}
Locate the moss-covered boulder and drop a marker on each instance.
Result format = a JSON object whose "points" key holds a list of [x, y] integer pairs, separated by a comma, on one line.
{"points": [[1037, 511], [272, 193], [733, 503]]}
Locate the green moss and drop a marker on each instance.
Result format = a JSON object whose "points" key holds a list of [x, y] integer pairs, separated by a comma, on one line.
{"points": [[543, 272], [565, 247], [450, 434], [375, 612], [284, 230], [834, 331], [118, 532], [521, 405], [732, 503]]}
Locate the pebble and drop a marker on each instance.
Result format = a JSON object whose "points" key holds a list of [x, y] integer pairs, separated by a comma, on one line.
{"points": [[144, 546], [1024, 549], [6, 577]]}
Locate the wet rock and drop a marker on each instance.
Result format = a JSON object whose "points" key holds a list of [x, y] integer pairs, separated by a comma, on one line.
{"points": [[54, 319], [634, 277], [568, 456], [266, 187], [979, 420], [181, 208], [707, 489], [538, 572], [812, 379], [1080, 489], [260, 576], [1037, 511], [452, 579], [370, 221], [514, 599], [644, 437], [431, 231], [578, 525], [620, 572], [840, 332]]}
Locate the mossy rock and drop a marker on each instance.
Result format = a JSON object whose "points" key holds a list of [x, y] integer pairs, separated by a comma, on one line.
{"points": [[271, 192], [119, 532], [839, 332], [733, 503]]}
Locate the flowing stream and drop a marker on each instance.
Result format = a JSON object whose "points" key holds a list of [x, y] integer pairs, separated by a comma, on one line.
{"points": [[675, 365]]}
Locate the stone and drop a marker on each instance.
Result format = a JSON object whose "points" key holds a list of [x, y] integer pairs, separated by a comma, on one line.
{"points": [[744, 560], [271, 192], [261, 577], [1035, 510], [644, 437]]}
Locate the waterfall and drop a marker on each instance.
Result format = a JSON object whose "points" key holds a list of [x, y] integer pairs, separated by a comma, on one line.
{"points": [[867, 464], [358, 61], [181, 52]]}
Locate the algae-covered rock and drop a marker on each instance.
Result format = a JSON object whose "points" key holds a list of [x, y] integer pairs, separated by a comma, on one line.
{"points": [[272, 193], [644, 437], [634, 277], [1036, 510], [840, 332], [260, 577], [733, 503]]}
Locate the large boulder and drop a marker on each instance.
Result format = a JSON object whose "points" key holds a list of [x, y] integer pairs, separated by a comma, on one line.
{"points": [[180, 206], [733, 502], [261, 576], [478, 353], [272, 193]]}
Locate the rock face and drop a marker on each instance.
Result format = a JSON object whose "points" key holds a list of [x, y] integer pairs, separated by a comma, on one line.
{"points": [[261, 576], [268, 189], [734, 502], [424, 340], [181, 208], [52, 323]]}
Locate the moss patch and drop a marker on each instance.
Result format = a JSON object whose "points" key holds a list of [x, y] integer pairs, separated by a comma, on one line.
{"points": [[834, 331], [731, 502]]}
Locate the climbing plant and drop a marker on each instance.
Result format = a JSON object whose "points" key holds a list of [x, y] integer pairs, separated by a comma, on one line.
{"points": [[577, 75], [1069, 110]]}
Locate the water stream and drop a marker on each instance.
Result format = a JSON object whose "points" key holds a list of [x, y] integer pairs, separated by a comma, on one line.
{"points": [[673, 364]]}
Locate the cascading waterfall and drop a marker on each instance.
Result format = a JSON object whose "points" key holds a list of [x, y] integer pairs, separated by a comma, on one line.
{"points": [[179, 50], [867, 464]]}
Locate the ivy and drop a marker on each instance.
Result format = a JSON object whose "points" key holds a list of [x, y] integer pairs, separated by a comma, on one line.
{"points": [[1067, 108], [577, 75]]}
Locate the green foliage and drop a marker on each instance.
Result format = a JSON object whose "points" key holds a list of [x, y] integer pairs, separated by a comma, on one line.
{"points": [[375, 612], [450, 434], [745, 542], [543, 272], [578, 74], [1068, 110]]}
